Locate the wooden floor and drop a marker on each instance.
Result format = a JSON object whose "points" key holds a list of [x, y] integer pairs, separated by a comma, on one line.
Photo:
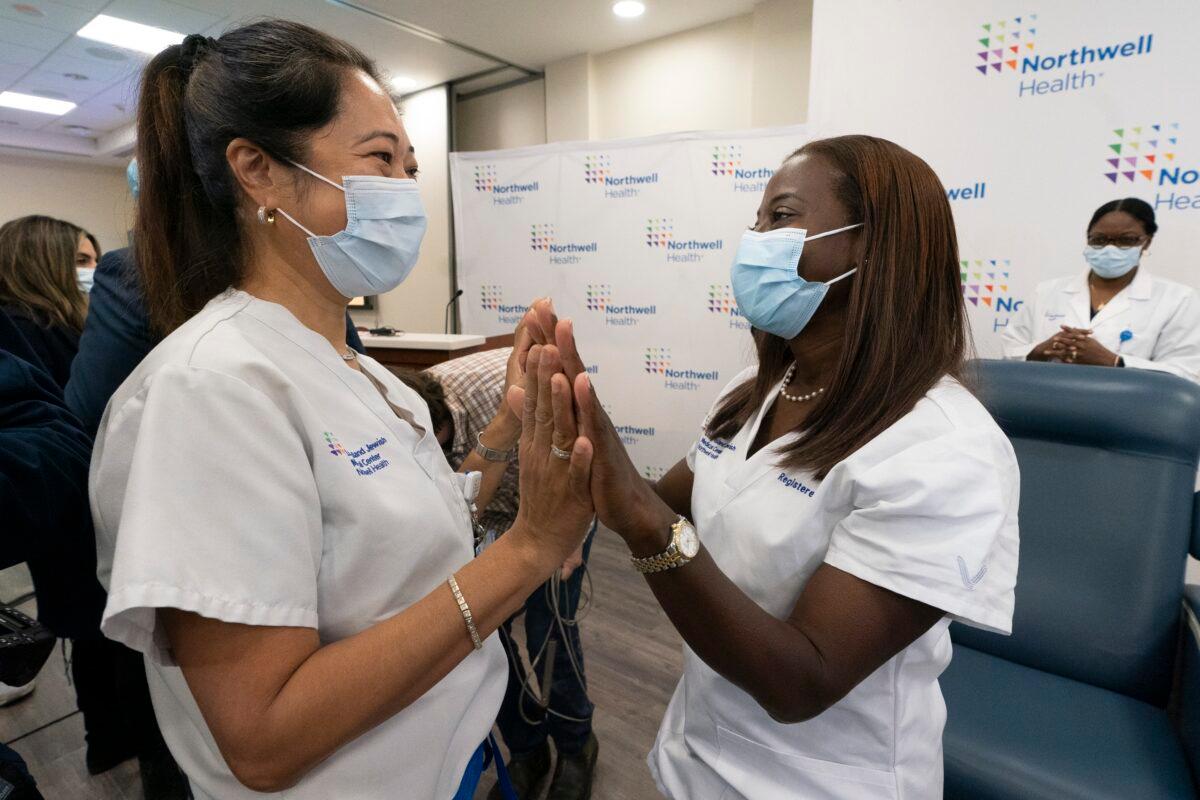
{"points": [[632, 657]]}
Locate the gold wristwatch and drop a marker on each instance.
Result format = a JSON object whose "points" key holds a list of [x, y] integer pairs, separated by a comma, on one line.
{"points": [[684, 546]]}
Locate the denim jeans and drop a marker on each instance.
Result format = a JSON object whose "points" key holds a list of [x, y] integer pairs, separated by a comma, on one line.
{"points": [[567, 694]]}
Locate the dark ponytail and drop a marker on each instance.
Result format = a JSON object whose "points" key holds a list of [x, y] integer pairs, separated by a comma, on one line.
{"points": [[272, 82]]}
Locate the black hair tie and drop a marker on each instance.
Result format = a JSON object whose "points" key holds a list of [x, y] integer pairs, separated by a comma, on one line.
{"points": [[194, 46]]}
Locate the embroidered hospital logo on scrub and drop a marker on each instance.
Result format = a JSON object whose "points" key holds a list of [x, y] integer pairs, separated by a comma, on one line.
{"points": [[335, 446], [713, 448], [366, 460]]}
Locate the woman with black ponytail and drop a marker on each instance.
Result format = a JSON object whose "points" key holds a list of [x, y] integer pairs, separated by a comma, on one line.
{"points": [[278, 530]]}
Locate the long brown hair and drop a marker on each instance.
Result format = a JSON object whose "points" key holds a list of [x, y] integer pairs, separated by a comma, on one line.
{"points": [[272, 82], [906, 325], [37, 270]]}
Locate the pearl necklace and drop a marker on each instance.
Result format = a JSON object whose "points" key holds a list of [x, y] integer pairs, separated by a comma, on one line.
{"points": [[796, 398]]}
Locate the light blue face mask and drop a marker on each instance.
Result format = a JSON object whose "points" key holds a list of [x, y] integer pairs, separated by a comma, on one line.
{"points": [[1111, 261], [85, 277], [385, 223], [767, 285]]}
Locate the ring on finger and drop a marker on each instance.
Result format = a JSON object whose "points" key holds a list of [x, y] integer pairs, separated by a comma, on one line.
{"points": [[558, 452]]}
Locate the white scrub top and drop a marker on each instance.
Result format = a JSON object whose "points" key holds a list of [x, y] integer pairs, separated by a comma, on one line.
{"points": [[927, 509], [1153, 323], [244, 473]]}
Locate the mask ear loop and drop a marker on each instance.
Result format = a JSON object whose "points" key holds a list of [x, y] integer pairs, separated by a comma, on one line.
{"points": [[808, 238], [319, 176]]}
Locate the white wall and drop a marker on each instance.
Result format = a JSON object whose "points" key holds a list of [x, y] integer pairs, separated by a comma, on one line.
{"points": [[695, 80], [95, 198], [417, 304], [513, 117], [782, 62], [748, 71]]}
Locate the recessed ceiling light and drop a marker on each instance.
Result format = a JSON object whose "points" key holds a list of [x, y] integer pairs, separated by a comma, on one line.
{"points": [[403, 83], [29, 102], [629, 8], [106, 54], [129, 35], [28, 9], [75, 76]]}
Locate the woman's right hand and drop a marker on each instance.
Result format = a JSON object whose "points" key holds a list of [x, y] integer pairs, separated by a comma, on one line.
{"points": [[556, 509]]}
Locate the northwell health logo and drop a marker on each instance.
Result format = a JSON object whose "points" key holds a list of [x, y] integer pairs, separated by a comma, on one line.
{"points": [[1007, 47], [543, 237], [598, 171], [599, 299], [491, 295], [503, 194], [1004, 42], [985, 284], [335, 446], [657, 361], [491, 298], [726, 162], [721, 301], [1143, 152], [660, 233]]}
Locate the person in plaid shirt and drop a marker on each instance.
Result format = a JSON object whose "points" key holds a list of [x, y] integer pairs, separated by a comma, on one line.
{"points": [[463, 395]]}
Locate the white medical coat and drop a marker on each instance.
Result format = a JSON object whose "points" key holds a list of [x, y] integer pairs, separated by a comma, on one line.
{"points": [[927, 509], [1153, 323], [244, 473]]}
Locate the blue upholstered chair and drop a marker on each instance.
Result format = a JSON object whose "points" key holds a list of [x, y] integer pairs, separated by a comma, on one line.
{"points": [[1096, 695]]}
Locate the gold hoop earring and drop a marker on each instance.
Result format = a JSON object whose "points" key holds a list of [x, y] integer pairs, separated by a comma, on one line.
{"points": [[266, 217]]}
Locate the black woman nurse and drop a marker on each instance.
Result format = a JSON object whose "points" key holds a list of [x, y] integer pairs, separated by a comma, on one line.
{"points": [[1116, 314], [844, 501]]}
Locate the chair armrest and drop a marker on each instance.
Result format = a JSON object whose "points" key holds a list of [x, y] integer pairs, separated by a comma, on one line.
{"points": [[1187, 706], [1195, 543]]}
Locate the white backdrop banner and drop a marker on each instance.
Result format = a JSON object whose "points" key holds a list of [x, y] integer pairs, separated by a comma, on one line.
{"points": [[634, 240], [1033, 115]]}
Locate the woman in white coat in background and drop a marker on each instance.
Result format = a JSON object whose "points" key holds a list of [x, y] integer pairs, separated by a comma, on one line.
{"points": [[1116, 314]]}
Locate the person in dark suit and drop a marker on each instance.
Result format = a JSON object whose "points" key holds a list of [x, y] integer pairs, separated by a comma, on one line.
{"points": [[43, 499]]}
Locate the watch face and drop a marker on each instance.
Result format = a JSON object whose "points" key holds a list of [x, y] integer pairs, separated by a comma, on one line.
{"points": [[689, 542]]}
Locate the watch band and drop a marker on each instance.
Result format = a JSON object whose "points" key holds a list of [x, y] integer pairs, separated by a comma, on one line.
{"points": [[668, 559], [487, 453]]}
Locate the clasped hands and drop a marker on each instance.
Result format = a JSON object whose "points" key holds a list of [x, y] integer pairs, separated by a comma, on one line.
{"points": [[559, 411], [1074, 346]]}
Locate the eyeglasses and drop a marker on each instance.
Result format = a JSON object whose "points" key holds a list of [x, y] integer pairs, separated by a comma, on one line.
{"points": [[1119, 241]]}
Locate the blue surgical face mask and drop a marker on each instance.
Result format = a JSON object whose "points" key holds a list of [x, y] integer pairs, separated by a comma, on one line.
{"points": [[385, 223], [1111, 261], [766, 282], [85, 276]]}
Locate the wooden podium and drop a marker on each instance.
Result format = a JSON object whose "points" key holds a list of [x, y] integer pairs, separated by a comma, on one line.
{"points": [[420, 350]]}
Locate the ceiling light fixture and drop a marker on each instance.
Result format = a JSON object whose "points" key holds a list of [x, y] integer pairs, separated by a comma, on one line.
{"points": [[29, 102], [629, 9], [129, 35], [106, 53]]}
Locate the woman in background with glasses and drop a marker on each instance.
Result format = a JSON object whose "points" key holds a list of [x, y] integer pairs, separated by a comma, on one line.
{"points": [[1116, 314]]}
